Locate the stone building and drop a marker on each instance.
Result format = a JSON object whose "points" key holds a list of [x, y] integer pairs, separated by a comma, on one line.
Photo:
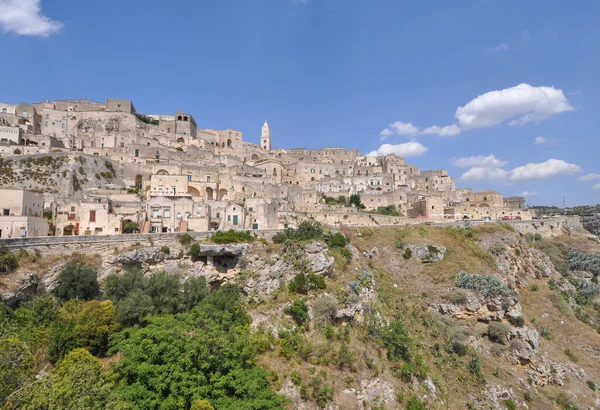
{"points": [[22, 214]]}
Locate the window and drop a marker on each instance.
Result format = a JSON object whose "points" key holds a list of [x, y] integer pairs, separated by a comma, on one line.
{"points": [[168, 129], [218, 214], [250, 209], [3, 110], [485, 198], [208, 178], [275, 171], [118, 105], [137, 153], [46, 123], [6, 212], [228, 218], [72, 209], [189, 178], [166, 213], [157, 155], [92, 216], [155, 213]]}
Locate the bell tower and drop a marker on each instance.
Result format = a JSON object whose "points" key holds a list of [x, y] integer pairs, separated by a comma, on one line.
{"points": [[265, 139]]}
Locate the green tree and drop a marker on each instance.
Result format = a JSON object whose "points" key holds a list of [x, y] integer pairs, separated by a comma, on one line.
{"points": [[78, 382], [95, 324], [131, 227], [206, 353], [194, 292], [77, 280], [17, 366], [134, 308], [117, 287], [355, 200], [163, 288]]}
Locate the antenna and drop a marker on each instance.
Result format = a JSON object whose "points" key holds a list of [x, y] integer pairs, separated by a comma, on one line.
{"points": [[564, 204]]}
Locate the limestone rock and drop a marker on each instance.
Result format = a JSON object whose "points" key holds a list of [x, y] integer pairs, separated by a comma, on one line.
{"points": [[427, 253], [26, 291], [141, 256], [353, 251], [319, 263], [224, 249]]}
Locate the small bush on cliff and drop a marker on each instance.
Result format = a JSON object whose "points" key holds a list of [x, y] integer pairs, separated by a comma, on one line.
{"points": [[232, 236], [8, 260], [186, 239], [77, 280], [407, 254], [298, 311], [584, 262], [324, 310], [498, 332], [195, 251], [487, 285]]}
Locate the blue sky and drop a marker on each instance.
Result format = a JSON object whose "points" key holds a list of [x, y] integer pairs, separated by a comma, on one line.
{"points": [[342, 73]]}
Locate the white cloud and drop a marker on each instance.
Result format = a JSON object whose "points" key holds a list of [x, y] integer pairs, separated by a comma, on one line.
{"points": [[550, 168], [528, 193], [589, 177], [408, 149], [541, 140], [403, 128], [24, 17], [597, 186], [477, 174], [522, 103], [398, 128], [528, 172], [501, 47], [447, 131], [479, 161]]}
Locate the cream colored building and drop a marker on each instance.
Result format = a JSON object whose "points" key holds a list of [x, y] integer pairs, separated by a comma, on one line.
{"points": [[22, 214]]}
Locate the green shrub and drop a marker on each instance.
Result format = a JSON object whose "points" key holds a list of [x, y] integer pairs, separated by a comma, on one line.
{"points": [[232, 236], [324, 310], [415, 403], [298, 310], [77, 280], [510, 404], [497, 248], [407, 254], [459, 297], [186, 239], [584, 262], [195, 250], [487, 285], [335, 240], [498, 332], [557, 252], [516, 321], [591, 385], [165, 249], [8, 260], [304, 283]]}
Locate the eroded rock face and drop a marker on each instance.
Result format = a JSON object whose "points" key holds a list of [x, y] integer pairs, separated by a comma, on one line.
{"points": [[427, 253], [319, 261], [27, 290], [141, 256]]}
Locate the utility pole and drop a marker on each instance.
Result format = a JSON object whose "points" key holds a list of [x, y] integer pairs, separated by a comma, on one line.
{"points": [[564, 204]]}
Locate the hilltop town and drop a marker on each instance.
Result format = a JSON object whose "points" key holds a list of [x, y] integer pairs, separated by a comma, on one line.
{"points": [[103, 168]]}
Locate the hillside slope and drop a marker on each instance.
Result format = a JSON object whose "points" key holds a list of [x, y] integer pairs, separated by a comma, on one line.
{"points": [[411, 317]]}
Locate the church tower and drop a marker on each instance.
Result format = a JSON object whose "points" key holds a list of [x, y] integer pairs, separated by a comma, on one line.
{"points": [[265, 139]]}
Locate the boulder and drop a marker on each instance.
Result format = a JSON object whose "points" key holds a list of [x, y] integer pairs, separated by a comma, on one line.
{"points": [[137, 257], [224, 249], [427, 253], [25, 292]]}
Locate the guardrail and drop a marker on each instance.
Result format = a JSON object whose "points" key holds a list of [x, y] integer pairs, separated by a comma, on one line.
{"points": [[65, 240]]}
